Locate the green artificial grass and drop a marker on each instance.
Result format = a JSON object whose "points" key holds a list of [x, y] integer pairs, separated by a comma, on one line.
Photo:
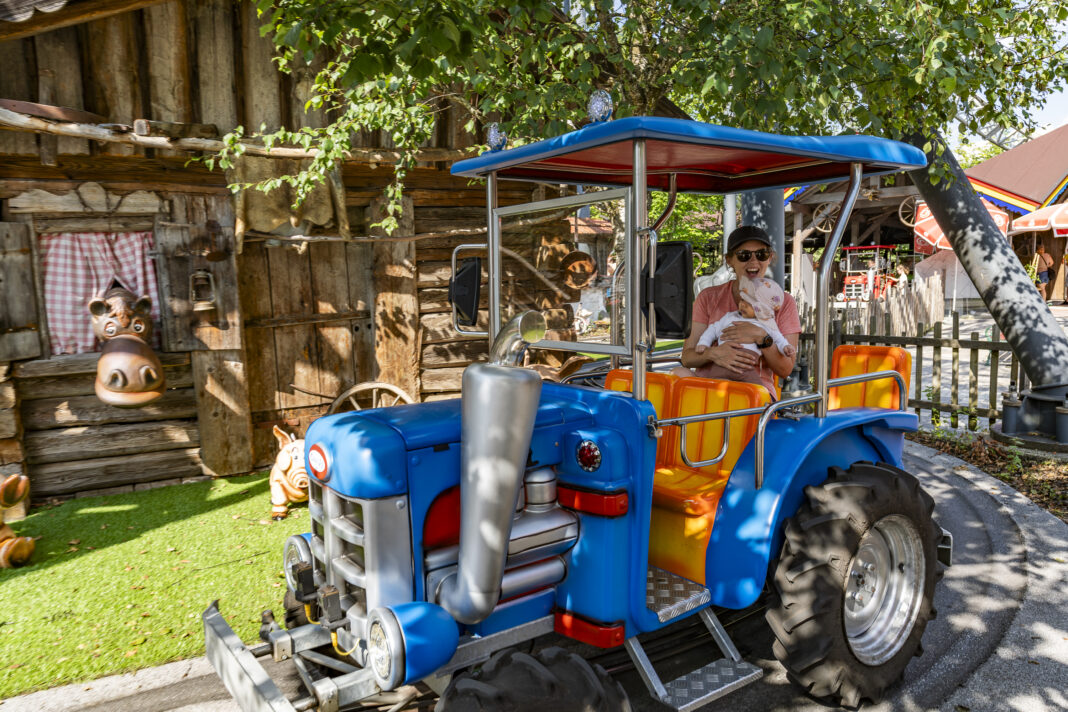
{"points": [[118, 583]]}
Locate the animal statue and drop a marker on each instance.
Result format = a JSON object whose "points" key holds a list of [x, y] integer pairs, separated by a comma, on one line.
{"points": [[289, 478], [14, 550], [128, 374]]}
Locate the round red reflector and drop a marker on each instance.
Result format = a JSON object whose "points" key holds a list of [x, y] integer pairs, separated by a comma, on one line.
{"points": [[317, 462], [588, 455]]}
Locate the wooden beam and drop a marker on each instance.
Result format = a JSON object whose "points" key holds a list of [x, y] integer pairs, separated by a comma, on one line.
{"points": [[97, 132], [56, 113], [170, 129], [398, 336], [73, 14]]}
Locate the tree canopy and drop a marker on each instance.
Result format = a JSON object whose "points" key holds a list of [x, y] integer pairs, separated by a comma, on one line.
{"points": [[895, 68]]}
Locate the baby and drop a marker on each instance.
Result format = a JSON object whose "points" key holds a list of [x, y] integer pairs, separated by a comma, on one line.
{"points": [[758, 300]]}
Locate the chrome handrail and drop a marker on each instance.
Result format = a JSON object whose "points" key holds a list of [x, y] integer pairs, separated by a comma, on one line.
{"points": [[762, 424], [902, 401], [682, 421]]}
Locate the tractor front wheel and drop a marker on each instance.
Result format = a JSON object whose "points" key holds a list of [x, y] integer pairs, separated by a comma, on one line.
{"points": [[852, 592], [552, 679]]}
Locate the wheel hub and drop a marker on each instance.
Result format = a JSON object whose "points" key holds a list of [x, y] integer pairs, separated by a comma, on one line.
{"points": [[884, 589]]}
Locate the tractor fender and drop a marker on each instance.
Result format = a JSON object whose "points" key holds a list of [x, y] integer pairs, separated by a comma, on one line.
{"points": [[748, 527]]}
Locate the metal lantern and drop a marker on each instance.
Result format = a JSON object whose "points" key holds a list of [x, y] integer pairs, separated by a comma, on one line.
{"points": [[202, 290], [600, 106], [496, 138]]}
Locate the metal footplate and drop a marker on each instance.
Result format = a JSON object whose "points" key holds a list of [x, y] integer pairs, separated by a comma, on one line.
{"points": [[670, 596], [703, 685]]}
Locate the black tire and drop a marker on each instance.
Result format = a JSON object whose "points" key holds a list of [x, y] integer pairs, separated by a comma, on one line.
{"points": [[552, 679], [810, 605]]}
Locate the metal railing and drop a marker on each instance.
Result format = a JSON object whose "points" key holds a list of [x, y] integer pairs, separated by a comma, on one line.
{"points": [[766, 413]]}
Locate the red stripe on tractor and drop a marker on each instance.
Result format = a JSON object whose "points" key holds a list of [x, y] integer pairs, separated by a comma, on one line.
{"points": [[580, 629], [606, 505]]}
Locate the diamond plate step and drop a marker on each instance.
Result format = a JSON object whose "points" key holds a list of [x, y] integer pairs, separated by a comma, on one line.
{"points": [[670, 596], [711, 682]]}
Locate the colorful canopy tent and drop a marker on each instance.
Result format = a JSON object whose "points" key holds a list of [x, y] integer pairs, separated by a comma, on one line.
{"points": [[928, 237], [1051, 217], [1027, 177]]}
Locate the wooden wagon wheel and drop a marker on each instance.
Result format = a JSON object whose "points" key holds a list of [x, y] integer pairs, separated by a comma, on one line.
{"points": [[372, 394], [906, 211], [825, 215]]}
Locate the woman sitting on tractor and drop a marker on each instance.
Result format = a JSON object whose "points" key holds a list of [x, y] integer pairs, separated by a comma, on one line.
{"points": [[749, 253]]}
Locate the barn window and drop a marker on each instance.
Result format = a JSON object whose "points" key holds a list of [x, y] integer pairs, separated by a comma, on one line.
{"points": [[76, 266]]}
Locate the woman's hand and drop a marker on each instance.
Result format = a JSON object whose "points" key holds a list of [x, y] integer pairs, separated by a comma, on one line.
{"points": [[743, 333], [732, 356]]}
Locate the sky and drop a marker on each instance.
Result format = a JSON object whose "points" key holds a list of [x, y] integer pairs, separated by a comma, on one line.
{"points": [[1054, 113]]}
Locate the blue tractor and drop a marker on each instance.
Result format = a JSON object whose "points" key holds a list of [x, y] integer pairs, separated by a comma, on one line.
{"points": [[445, 534]]}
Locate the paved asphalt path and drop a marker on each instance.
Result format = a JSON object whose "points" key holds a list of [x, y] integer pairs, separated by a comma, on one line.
{"points": [[999, 642]]}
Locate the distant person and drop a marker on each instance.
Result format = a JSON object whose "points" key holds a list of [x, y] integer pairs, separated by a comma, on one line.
{"points": [[758, 301], [1042, 262]]}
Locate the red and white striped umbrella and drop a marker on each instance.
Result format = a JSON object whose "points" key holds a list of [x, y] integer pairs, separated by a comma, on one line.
{"points": [[1051, 217], [928, 237]]}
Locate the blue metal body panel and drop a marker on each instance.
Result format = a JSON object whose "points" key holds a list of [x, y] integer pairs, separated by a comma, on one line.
{"points": [[579, 156], [365, 458], [430, 637], [516, 612], [748, 528]]}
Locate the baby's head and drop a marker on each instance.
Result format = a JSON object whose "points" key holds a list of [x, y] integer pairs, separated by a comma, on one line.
{"points": [[761, 295]]}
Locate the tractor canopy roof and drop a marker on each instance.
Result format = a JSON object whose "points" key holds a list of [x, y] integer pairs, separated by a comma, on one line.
{"points": [[705, 158]]}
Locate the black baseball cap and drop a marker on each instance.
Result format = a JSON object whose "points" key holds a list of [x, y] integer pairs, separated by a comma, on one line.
{"points": [[744, 234]]}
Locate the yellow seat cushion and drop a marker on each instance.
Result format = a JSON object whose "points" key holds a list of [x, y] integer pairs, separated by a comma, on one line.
{"points": [[853, 360]]}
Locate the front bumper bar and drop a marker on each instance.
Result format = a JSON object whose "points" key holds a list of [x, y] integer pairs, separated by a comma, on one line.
{"points": [[246, 680]]}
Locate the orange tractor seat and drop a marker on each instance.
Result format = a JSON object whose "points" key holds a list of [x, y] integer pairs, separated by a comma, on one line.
{"points": [[853, 360]]}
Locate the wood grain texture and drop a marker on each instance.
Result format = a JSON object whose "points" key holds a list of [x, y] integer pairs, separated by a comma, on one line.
{"points": [[215, 63], [19, 337], [167, 47], [74, 364], [396, 310], [66, 444], [114, 72], [82, 384], [15, 83], [58, 478], [222, 411], [48, 413], [261, 79], [90, 197], [11, 451], [58, 52], [74, 13]]}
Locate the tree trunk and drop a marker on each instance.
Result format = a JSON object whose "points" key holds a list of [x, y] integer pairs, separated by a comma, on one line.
{"points": [[1017, 307]]}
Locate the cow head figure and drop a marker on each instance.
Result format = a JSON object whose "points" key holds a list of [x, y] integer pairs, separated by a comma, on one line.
{"points": [[128, 374]]}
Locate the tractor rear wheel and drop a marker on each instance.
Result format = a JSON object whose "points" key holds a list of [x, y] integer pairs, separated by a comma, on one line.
{"points": [[851, 595], [551, 679]]}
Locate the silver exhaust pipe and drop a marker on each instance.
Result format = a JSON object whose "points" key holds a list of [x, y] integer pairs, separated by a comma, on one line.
{"points": [[498, 407]]}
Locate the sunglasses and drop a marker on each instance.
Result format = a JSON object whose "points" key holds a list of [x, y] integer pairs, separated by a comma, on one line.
{"points": [[746, 255]]}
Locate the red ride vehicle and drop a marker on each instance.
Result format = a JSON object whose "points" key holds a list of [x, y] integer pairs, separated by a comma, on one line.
{"points": [[867, 274]]}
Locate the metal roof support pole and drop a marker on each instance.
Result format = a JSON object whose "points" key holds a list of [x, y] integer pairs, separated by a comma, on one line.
{"points": [[639, 218], [823, 287], [493, 254]]}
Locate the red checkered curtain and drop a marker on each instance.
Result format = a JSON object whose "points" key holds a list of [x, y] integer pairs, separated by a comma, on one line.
{"points": [[78, 266]]}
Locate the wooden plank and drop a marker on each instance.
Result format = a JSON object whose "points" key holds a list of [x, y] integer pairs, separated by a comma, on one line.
{"points": [[261, 79], [436, 299], [58, 52], [223, 415], [114, 69], [47, 146], [437, 328], [9, 416], [305, 319], [215, 63], [396, 310], [171, 129], [67, 223], [126, 174], [454, 353], [75, 13], [88, 198], [173, 270], [15, 84], [11, 451], [438, 380], [294, 346], [66, 444], [51, 111], [57, 478], [48, 413], [262, 369], [73, 364], [19, 326], [359, 260], [83, 384], [331, 299], [167, 49]]}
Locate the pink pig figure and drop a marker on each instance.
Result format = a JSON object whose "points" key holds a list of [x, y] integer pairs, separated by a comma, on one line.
{"points": [[289, 478]]}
